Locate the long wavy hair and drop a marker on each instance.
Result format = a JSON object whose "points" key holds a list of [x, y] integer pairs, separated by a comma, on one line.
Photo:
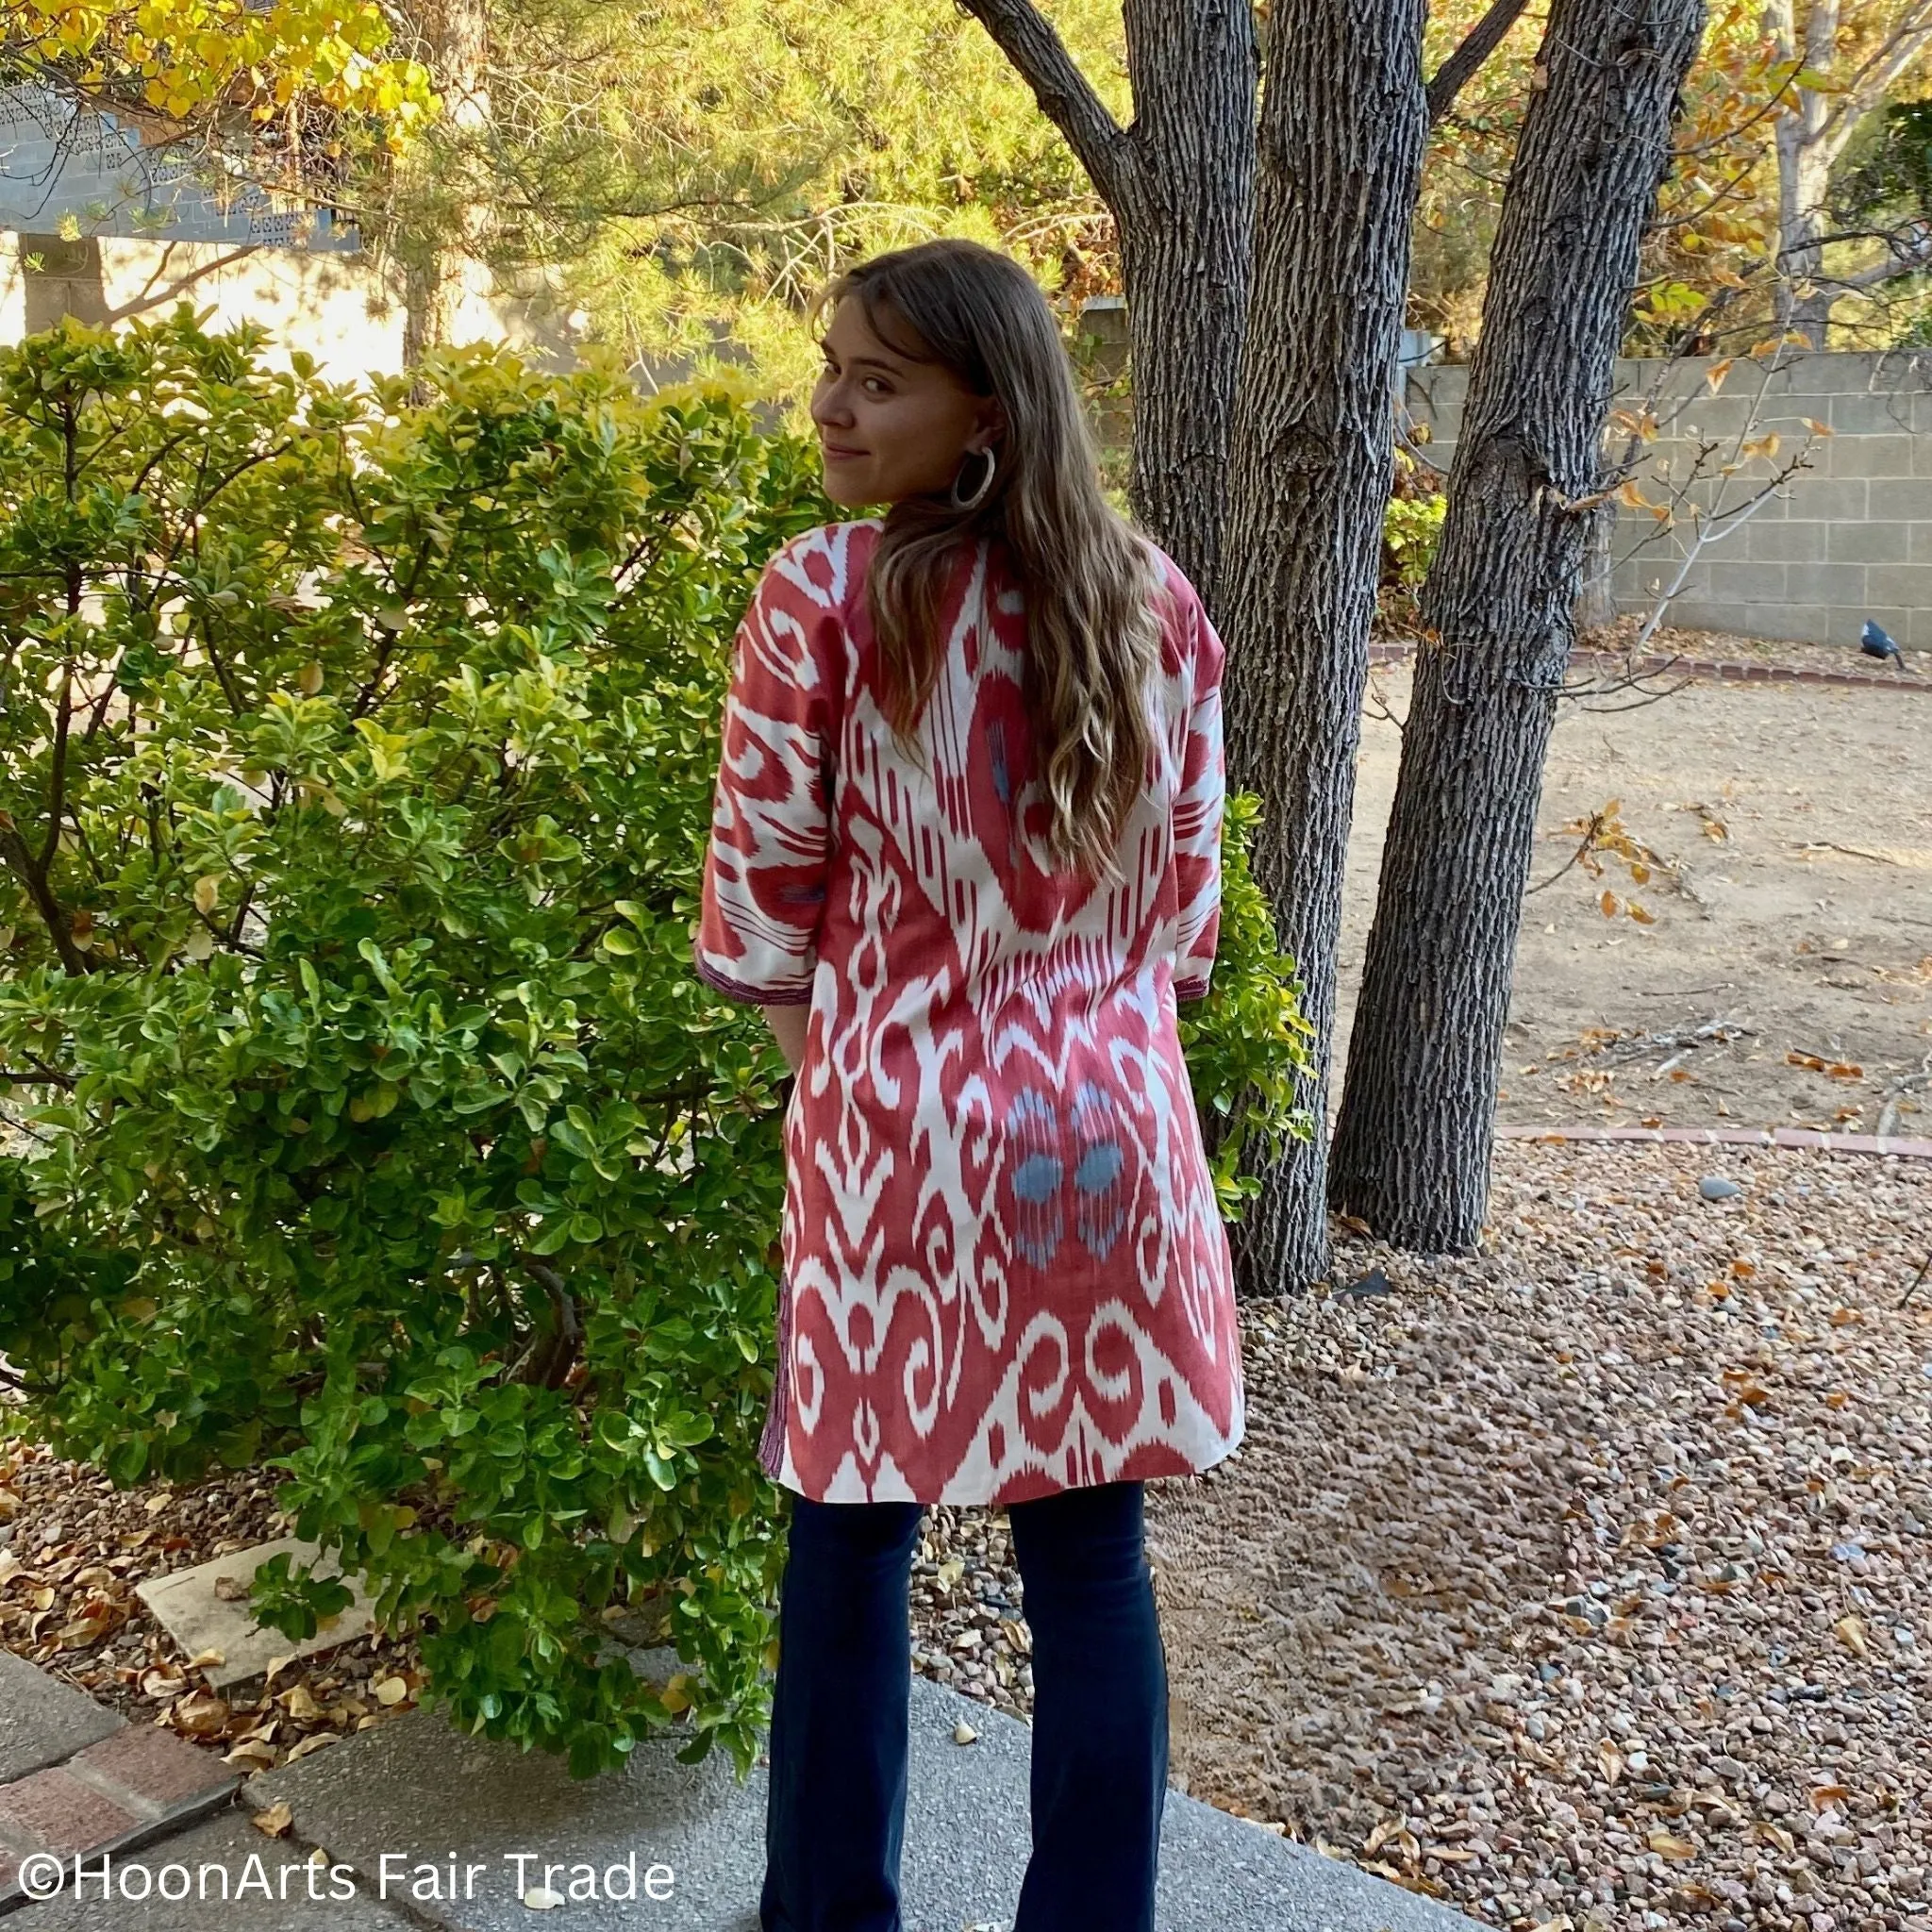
{"points": [[1087, 576]]}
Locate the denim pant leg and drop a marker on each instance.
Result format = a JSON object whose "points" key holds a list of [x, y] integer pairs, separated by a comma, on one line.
{"points": [[1100, 1740], [835, 1819]]}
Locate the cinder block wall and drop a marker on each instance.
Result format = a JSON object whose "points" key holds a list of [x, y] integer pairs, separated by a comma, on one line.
{"points": [[1848, 538]]}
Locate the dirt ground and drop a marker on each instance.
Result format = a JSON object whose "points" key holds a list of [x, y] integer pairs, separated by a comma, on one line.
{"points": [[1789, 833]]}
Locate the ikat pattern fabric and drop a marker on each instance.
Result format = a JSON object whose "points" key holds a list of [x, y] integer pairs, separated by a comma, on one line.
{"points": [[1004, 1273]]}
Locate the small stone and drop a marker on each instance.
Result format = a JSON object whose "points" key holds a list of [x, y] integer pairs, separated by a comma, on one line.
{"points": [[1714, 1187]]}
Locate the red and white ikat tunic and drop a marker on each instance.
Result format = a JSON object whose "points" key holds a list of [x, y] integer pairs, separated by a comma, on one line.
{"points": [[1004, 1270]]}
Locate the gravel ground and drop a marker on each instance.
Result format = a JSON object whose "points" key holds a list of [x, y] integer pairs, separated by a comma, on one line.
{"points": [[1586, 1580]]}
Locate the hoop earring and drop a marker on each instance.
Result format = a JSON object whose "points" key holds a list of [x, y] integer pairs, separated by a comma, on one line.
{"points": [[978, 496]]}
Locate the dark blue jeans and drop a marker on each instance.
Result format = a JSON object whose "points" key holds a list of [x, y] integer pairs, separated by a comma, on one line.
{"points": [[836, 1819]]}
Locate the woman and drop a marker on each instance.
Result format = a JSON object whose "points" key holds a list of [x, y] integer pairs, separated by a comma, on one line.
{"points": [[965, 854]]}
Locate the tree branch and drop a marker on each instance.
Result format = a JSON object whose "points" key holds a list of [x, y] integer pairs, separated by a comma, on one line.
{"points": [[1028, 38], [1456, 72], [1870, 83], [16, 853]]}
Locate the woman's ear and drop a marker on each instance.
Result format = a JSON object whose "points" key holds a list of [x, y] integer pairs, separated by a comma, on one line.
{"points": [[990, 425]]}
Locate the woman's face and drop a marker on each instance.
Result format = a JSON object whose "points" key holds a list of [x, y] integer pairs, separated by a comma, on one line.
{"points": [[888, 427]]}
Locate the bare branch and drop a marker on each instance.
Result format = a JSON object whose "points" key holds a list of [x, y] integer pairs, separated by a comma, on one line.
{"points": [[1456, 72], [1066, 97], [1869, 84]]}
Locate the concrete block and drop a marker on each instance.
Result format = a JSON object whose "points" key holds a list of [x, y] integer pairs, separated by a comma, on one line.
{"points": [[42, 1721], [1900, 586], [1705, 418], [1702, 613], [1868, 455], [1832, 373], [1841, 584], [420, 1790], [1791, 623], [199, 1620], [1918, 632], [1871, 415], [1922, 543], [1833, 499], [1869, 542], [1744, 582], [1902, 501], [1786, 542]]}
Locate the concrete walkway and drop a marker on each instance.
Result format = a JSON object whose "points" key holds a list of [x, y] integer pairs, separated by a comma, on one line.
{"points": [[414, 1823]]}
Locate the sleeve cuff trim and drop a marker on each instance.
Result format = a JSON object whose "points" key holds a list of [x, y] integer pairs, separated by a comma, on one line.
{"points": [[753, 996]]}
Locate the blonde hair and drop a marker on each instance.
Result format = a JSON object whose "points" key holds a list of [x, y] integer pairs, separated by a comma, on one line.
{"points": [[1086, 576]]}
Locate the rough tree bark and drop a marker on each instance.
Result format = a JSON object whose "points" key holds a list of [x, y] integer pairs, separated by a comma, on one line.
{"points": [[1180, 184], [1343, 122], [1412, 1147]]}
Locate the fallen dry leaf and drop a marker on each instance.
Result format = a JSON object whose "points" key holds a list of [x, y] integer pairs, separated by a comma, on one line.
{"points": [[275, 1821], [201, 1714]]}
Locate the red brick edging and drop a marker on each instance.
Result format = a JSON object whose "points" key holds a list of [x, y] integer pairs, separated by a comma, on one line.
{"points": [[139, 1784], [1729, 671], [1736, 1137]]}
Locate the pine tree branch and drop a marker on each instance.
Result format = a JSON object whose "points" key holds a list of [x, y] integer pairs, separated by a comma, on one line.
{"points": [[1066, 97], [1484, 38]]}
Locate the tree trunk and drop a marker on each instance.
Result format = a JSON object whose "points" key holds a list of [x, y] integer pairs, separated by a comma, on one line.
{"points": [[1185, 215], [1804, 172], [434, 257], [1341, 136], [1180, 185], [1412, 1147]]}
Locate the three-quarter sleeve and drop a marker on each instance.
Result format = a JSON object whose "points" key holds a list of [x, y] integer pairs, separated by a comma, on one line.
{"points": [[766, 864], [1198, 812]]}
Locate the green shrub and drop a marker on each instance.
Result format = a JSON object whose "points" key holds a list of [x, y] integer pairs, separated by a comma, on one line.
{"points": [[1411, 528], [356, 767]]}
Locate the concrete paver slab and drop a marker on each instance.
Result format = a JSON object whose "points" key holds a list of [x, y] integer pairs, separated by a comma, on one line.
{"points": [[429, 1796], [42, 1721], [200, 1620], [201, 1866]]}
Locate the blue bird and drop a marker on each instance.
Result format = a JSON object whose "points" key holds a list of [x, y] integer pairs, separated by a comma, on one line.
{"points": [[1874, 641]]}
